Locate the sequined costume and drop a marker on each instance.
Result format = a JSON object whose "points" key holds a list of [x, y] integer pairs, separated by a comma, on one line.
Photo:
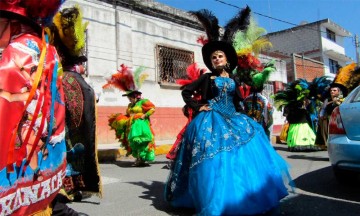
{"points": [[226, 164]]}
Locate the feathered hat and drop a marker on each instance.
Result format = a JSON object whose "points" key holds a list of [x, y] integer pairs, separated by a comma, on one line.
{"points": [[68, 35], [215, 40], [127, 80], [37, 13], [319, 88], [347, 78], [248, 45], [293, 95]]}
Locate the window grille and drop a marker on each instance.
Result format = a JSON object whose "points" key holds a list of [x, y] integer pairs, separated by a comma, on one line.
{"points": [[172, 63]]}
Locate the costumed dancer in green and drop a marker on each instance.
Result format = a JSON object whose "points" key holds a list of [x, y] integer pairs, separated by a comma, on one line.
{"points": [[295, 101], [133, 129], [67, 34]]}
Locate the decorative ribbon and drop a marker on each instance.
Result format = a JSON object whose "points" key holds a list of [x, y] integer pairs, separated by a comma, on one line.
{"points": [[11, 150]]}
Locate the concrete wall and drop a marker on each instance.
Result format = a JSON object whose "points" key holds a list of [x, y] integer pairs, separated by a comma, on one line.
{"points": [[121, 35], [296, 41], [311, 41]]}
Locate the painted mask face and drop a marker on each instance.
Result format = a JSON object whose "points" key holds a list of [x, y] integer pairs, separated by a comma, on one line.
{"points": [[218, 59]]}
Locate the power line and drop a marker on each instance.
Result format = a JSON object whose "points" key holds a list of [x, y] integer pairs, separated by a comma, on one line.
{"points": [[260, 14]]}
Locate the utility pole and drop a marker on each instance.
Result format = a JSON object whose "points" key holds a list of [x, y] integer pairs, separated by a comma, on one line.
{"points": [[357, 46]]}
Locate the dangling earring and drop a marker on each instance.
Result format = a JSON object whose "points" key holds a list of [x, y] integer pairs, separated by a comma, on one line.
{"points": [[227, 66]]}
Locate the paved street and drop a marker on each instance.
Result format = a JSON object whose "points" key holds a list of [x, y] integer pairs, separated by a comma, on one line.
{"points": [[139, 191]]}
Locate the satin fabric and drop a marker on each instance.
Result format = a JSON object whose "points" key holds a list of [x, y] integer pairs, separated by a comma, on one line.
{"points": [[226, 164]]}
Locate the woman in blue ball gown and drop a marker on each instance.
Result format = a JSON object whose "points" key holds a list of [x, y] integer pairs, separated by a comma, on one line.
{"points": [[226, 164]]}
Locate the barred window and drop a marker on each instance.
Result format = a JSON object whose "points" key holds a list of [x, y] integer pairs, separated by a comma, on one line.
{"points": [[172, 63]]}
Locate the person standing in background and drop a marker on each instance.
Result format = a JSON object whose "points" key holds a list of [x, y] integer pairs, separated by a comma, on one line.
{"points": [[344, 81], [133, 129], [67, 34], [256, 105], [193, 73]]}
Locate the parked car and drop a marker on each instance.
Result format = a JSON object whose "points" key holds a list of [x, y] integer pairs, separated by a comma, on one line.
{"points": [[344, 138]]}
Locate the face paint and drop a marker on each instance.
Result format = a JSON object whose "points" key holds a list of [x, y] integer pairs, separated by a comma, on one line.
{"points": [[218, 59]]}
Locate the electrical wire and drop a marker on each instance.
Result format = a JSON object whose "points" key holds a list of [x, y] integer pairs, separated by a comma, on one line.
{"points": [[260, 14]]}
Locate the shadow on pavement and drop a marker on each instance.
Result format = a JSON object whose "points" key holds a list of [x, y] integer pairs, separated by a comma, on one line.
{"points": [[322, 196], [281, 148], [129, 163], [301, 205], [323, 182], [307, 157], [155, 193]]}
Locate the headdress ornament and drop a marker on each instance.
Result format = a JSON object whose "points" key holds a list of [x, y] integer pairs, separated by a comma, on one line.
{"points": [[127, 80], [37, 13], [193, 72], [248, 45], [347, 78], [293, 95], [217, 41], [68, 35], [319, 88]]}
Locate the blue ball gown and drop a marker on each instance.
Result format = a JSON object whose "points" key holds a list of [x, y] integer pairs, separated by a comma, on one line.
{"points": [[226, 164]]}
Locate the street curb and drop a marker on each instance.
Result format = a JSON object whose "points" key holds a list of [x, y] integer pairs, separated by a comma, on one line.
{"points": [[105, 155], [116, 153]]}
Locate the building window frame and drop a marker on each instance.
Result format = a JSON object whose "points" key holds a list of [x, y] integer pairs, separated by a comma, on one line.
{"points": [[172, 63], [330, 35], [333, 66]]}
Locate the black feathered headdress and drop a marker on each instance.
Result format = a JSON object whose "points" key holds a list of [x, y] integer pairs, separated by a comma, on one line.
{"points": [[217, 40]]}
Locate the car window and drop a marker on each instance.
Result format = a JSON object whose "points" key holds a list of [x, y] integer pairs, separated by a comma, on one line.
{"points": [[356, 97]]}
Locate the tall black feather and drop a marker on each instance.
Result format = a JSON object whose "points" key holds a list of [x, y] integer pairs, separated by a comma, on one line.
{"points": [[209, 22], [240, 22]]}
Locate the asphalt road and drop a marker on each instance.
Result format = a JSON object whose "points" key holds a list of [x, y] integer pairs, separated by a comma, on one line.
{"points": [[138, 191]]}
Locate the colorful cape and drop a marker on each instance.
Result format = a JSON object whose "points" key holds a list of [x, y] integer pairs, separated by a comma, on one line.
{"points": [[32, 120]]}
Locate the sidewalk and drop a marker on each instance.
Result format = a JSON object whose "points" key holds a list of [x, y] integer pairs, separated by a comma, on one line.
{"points": [[113, 152]]}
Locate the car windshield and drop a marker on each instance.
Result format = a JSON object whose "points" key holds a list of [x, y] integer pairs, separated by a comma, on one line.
{"points": [[356, 97]]}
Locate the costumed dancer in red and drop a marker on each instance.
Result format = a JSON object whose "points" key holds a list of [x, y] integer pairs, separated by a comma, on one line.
{"points": [[32, 111], [193, 73]]}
